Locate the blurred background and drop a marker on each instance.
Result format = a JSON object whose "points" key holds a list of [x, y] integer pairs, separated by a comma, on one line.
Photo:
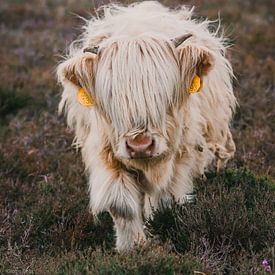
{"points": [[43, 192]]}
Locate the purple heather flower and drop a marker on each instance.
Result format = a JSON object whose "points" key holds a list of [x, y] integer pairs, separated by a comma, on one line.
{"points": [[265, 262], [266, 265], [268, 269]]}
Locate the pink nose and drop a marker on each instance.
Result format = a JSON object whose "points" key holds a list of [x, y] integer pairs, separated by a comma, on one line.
{"points": [[141, 146]]}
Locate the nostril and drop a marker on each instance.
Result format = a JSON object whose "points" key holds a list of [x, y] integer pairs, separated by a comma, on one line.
{"points": [[152, 145]]}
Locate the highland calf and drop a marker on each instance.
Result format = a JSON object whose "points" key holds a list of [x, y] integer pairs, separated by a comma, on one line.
{"points": [[148, 92]]}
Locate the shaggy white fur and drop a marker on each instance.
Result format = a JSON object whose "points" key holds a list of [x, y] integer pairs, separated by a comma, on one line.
{"points": [[139, 82]]}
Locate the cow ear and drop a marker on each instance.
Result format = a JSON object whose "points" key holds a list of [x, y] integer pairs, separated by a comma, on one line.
{"points": [[78, 70], [194, 61]]}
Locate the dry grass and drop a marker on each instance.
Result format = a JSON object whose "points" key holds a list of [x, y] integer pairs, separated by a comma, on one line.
{"points": [[45, 225]]}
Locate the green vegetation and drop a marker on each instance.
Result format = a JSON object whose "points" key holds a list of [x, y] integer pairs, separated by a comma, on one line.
{"points": [[231, 217], [10, 102], [153, 260]]}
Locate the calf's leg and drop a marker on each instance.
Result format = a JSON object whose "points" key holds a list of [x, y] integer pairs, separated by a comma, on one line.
{"points": [[129, 232], [116, 191]]}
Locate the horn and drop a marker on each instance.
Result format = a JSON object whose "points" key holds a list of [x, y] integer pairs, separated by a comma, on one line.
{"points": [[93, 50], [179, 40]]}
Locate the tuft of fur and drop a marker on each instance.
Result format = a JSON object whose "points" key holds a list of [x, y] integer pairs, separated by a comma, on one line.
{"points": [[139, 82]]}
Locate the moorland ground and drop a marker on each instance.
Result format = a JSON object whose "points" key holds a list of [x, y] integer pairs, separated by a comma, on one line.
{"points": [[45, 224]]}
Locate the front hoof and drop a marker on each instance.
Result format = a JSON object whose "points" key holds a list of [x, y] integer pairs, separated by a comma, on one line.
{"points": [[126, 244]]}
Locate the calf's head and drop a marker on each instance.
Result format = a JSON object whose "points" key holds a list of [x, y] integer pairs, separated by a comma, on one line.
{"points": [[139, 87]]}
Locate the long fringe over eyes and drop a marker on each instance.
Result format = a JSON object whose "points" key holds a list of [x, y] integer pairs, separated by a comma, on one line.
{"points": [[136, 81]]}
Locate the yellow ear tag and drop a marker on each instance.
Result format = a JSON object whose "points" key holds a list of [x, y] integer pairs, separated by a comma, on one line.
{"points": [[84, 98], [196, 85]]}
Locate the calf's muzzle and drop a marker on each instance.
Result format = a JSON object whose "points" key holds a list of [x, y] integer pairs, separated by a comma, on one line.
{"points": [[141, 146]]}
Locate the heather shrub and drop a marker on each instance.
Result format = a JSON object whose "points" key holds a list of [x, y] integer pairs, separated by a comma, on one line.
{"points": [[232, 216], [11, 102], [150, 260]]}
